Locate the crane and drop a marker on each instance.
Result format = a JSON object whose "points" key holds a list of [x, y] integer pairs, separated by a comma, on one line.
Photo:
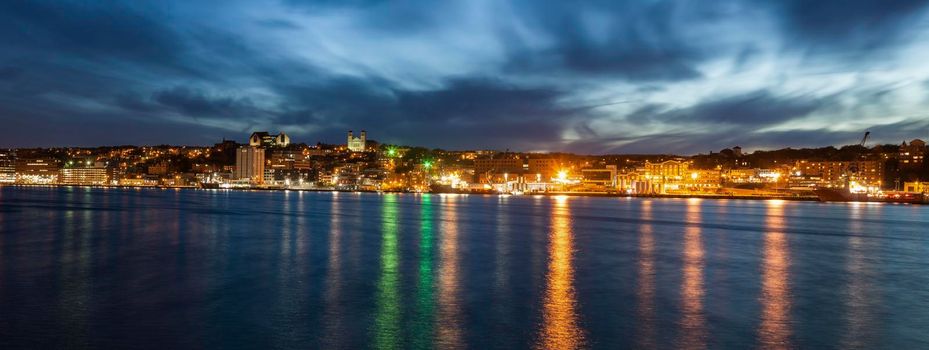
{"points": [[865, 138]]}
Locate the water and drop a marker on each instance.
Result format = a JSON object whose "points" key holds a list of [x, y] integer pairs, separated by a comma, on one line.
{"points": [[105, 268]]}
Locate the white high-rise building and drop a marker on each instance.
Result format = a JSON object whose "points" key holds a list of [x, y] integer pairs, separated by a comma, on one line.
{"points": [[250, 164]]}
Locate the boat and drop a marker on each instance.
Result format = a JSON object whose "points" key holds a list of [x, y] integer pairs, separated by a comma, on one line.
{"points": [[844, 195]]}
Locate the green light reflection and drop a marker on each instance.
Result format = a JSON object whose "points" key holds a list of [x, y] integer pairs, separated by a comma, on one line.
{"points": [[425, 289], [387, 319]]}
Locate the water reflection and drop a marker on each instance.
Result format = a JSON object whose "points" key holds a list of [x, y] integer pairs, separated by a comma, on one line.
{"points": [[75, 276], [646, 288], [502, 298], [858, 296], [693, 321], [774, 331], [560, 328], [387, 318], [425, 298], [449, 322], [334, 330]]}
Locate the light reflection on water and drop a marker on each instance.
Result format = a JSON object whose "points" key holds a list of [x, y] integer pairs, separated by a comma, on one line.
{"points": [[449, 309], [560, 328], [646, 290], [693, 321], [774, 331], [387, 317], [104, 268]]}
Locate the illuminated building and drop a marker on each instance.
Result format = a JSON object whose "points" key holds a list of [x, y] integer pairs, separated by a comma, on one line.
{"points": [[917, 187], [669, 169], [82, 176], [250, 164], [912, 155], [704, 179], [7, 166], [264, 139], [498, 169], [357, 144], [546, 168], [664, 176], [605, 177], [37, 171], [869, 173], [288, 159], [160, 168]]}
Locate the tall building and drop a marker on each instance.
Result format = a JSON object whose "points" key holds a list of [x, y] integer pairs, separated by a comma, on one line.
{"points": [[357, 144], [250, 164], [912, 155], [265, 139], [7, 166]]}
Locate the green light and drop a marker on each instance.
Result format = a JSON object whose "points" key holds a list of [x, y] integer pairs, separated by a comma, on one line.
{"points": [[427, 164], [391, 152]]}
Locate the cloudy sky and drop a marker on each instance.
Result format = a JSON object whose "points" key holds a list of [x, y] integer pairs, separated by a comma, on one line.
{"points": [[607, 76]]}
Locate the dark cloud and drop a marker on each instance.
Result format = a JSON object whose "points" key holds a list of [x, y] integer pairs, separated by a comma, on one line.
{"points": [[858, 25], [717, 139], [196, 103], [754, 109], [74, 72], [87, 31], [634, 40], [456, 114]]}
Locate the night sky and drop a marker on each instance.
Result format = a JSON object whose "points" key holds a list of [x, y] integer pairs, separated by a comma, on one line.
{"points": [[582, 76]]}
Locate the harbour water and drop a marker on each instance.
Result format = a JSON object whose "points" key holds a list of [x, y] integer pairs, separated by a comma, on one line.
{"points": [[149, 268]]}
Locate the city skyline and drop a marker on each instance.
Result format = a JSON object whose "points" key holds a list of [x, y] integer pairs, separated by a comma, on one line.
{"points": [[592, 78]]}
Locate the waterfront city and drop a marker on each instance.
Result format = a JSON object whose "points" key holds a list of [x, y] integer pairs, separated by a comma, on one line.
{"points": [[272, 161], [461, 174]]}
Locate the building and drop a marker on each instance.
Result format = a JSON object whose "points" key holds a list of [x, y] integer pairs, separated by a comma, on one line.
{"points": [[737, 151], [7, 166], [498, 169], [752, 175], [912, 155], [704, 179], [916, 187], [250, 164], [545, 168], [357, 144], [83, 176], [605, 177], [663, 177], [867, 173], [265, 139], [668, 170], [37, 171]]}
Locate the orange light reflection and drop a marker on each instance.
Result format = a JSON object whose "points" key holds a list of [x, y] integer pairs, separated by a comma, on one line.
{"points": [[560, 329], [774, 331], [693, 321]]}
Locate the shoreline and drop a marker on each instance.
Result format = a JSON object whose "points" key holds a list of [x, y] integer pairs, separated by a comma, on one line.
{"points": [[547, 194]]}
